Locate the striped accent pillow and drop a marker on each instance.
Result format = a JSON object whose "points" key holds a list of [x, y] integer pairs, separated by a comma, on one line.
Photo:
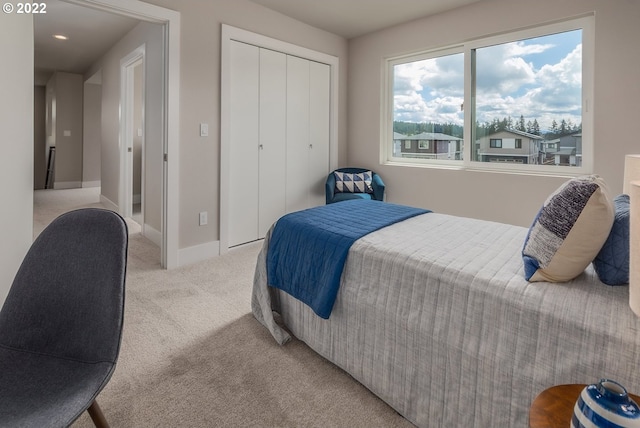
{"points": [[569, 230]]}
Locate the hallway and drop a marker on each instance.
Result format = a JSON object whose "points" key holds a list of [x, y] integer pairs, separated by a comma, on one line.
{"points": [[49, 204]]}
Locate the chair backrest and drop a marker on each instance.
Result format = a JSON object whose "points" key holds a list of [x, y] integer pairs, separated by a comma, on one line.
{"points": [[67, 299], [351, 170]]}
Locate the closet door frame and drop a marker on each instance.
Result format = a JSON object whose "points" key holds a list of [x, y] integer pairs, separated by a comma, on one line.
{"points": [[230, 33]]}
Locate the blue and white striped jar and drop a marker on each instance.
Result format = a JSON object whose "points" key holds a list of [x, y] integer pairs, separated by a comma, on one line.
{"points": [[605, 404]]}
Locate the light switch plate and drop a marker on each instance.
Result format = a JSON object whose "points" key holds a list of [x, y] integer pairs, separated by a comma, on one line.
{"points": [[204, 129]]}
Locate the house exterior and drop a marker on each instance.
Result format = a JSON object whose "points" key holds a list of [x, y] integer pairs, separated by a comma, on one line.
{"points": [[565, 150], [428, 145], [509, 146]]}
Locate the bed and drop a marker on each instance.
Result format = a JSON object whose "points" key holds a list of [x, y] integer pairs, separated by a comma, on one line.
{"points": [[434, 315]]}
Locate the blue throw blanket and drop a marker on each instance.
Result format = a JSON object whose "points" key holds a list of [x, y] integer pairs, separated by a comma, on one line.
{"points": [[308, 248]]}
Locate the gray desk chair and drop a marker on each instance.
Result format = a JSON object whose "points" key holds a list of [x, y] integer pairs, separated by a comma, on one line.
{"points": [[61, 324]]}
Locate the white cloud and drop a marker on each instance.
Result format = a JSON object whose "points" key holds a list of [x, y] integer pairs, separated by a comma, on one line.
{"points": [[502, 68], [508, 85], [430, 90], [552, 92]]}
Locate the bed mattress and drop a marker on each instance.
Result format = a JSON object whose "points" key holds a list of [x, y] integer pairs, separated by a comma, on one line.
{"points": [[435, 317]]}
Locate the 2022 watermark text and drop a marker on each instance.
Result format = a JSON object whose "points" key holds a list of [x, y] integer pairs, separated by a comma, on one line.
{"points": [[24, 8]]}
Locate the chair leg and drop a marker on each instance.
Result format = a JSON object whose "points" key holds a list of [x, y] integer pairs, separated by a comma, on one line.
{"points": [[97, 416]]}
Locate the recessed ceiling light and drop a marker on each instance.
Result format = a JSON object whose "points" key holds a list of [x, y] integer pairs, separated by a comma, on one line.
{"points": [[60, 36]]}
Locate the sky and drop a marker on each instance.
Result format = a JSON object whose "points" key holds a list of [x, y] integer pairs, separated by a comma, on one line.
{"points": [[539, 78]]}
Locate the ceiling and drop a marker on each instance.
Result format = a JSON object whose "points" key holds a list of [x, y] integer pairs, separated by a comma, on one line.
{"points": [[91, 32], [353, 18]]}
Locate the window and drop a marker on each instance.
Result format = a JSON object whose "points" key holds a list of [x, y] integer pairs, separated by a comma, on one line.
{"points": [[428, 92], [519, 92]]}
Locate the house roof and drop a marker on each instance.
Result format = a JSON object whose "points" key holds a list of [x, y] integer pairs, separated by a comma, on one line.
{"points": [[431, 136], [565, 151], [522, 133]]}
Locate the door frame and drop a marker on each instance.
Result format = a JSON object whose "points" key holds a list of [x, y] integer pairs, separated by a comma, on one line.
{"points": [[170, 20], [230, 33]]}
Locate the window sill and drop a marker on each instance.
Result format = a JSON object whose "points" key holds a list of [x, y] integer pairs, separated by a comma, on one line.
{"points": [[556, 172]]}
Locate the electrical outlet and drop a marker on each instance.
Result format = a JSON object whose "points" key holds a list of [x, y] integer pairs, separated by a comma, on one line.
{"points": [[203, 218]]}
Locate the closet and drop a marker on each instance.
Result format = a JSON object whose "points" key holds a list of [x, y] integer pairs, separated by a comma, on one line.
{"points": [[279, 137]]}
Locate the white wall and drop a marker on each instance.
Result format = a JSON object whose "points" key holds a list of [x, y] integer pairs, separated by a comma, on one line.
{"points": [[16, 138], [92, 134], [66, 124], [509, 198], [200, 96]]}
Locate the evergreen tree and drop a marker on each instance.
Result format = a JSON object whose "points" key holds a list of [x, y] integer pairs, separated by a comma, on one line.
{"points": [[535, 129], [563, 127]]}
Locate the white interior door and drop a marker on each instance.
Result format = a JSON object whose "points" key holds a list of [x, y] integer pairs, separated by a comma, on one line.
{"points": [[272, 144], [244, 143], [128, 99], [138, 154]]}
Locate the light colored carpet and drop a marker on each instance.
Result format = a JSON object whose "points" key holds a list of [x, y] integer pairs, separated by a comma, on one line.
{"points": [[193, 355]]}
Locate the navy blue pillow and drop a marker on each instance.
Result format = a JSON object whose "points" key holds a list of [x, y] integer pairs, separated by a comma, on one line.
{"points": [[612, 262]]}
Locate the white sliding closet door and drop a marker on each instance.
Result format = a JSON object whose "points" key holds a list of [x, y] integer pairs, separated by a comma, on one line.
{"points": [[319, 129], [273, 122], [308, 127], [297, 133], [279, 136], [244, 137]]}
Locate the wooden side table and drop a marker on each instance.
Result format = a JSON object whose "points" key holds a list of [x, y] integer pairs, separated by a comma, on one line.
{"points": [[554, 406]]}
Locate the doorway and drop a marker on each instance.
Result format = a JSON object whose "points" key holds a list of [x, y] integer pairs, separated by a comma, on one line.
{"points": [[168, 190], [133, 133]]}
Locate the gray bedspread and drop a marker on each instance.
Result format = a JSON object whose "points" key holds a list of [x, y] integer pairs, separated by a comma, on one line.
{"points": [[435, 317]]}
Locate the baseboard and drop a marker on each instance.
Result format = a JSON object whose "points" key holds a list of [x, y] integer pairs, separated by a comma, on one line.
{"points": [[197, 253], [67, 185], [91, 183], [152, 235], [108, 204]]}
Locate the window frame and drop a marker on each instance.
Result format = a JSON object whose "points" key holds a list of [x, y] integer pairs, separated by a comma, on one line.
{"points": [[467, 48]]}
